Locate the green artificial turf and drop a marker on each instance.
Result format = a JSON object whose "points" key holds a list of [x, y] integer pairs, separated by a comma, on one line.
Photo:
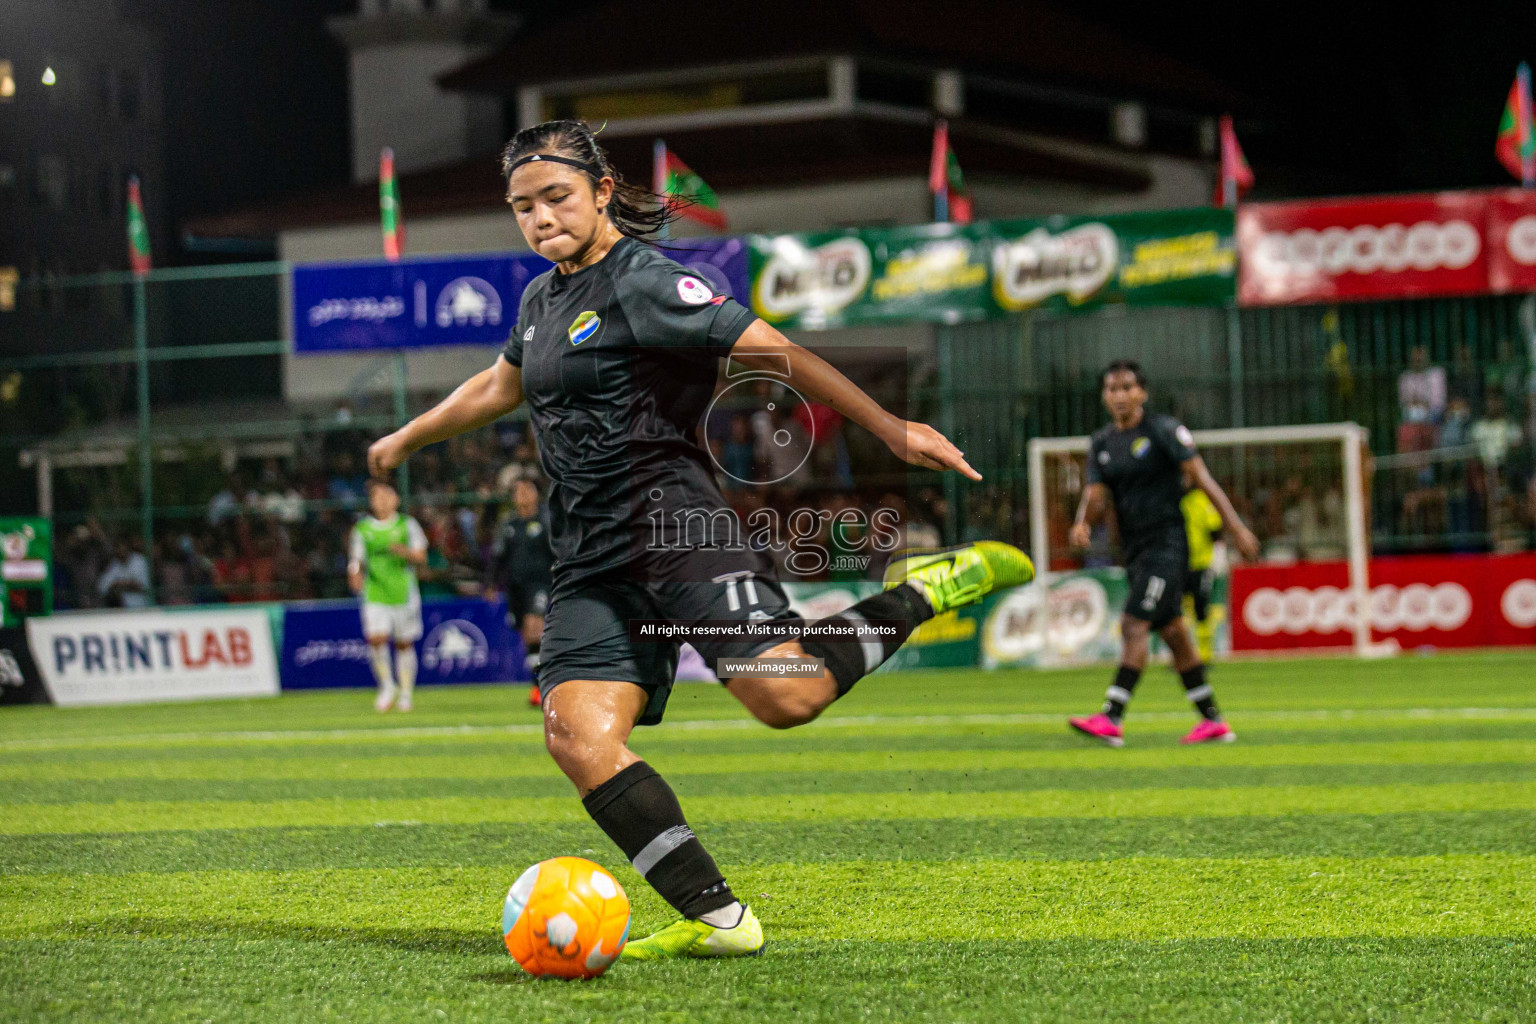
{"points": [[938, 847]]}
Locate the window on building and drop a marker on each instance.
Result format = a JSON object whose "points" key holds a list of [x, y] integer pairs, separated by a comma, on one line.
{"points": [[722, 91], [128, 95], [7, 81], [8, 279]]}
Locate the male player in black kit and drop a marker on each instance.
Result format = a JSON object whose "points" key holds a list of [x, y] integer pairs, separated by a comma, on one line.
{"points": [[1141, 460], [521, 563], [617, 352]]}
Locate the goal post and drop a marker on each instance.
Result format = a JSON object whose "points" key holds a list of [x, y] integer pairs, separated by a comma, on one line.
{"points": [[1247, 461]]}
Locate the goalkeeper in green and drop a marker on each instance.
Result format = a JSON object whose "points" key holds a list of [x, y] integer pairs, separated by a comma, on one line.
{"points": [[385, 550]]}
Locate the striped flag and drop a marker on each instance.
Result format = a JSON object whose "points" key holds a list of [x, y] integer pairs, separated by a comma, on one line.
{"points": [[671, 177], [1236, 175], [951, 202], [138, 231], [1516, 145], [390, 220]]}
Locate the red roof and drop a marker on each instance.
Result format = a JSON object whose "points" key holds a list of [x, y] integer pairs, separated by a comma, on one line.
{"points": [[1028, 40]]}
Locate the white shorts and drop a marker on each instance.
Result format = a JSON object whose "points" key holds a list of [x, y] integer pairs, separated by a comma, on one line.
{"points": [[402, 622]]}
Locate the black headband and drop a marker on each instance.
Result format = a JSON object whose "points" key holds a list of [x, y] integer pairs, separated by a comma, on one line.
{"points": [[592, 169]]}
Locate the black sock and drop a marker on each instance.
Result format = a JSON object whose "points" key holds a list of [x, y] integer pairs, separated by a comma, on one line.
{"points": [[1199, 693], [641, 815], [1119, 693], [850, 660]]}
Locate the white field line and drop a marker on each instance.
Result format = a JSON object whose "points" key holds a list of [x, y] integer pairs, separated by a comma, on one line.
{"points": [[711, 724]]}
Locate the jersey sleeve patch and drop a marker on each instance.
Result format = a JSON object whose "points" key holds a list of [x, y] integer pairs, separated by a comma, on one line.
{"points": [[1185, 438], [693, 291]]}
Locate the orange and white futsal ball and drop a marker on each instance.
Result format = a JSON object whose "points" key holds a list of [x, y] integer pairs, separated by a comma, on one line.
{"points": [[565, 918]]}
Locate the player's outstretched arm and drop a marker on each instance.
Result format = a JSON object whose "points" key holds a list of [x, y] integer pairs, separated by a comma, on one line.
{"points": [[1089, 511], [484, 398], [763, 348], [1243, 537]]}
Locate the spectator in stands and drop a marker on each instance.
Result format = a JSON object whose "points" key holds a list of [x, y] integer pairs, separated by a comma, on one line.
{"points": [[171, 584], [1507, 375], [346, 484], [1421, 395], [83, 558], [232, 573], [199, 569], [125, 583], [1495, 434], [524, 465], [227, 503], [1466, 379], [1421, 398], [1456, 430]]}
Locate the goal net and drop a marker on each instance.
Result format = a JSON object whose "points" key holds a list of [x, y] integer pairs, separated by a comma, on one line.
{"points": [[1302, 489]]}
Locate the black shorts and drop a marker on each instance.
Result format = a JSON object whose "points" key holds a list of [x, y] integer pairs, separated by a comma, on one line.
{"points": [[1155, 572], [526, 599], [586, 630], [1197, 584]]}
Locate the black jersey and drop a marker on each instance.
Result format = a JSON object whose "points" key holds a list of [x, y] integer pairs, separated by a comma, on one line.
{"points": [[619, 363], [1141, 468], [522, 556]]}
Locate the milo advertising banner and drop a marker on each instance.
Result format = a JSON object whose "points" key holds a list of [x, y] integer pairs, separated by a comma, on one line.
{"points": [[1082, 621], [947, 273], [26, 568]]}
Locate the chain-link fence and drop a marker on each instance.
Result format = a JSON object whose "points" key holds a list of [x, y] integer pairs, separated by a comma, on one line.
{"points": [[150, 410]]}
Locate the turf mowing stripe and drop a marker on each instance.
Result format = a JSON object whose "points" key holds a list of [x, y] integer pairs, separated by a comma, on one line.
{"points": [[132, 816], [765, 743], [291, 975], [544, 780], [827, 759], [737, 843], [533, 732], [1142, 898]]}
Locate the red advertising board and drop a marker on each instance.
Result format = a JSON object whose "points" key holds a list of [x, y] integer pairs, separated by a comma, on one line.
{"points": [[1512, 240], [1378, 247], [1428, 600]]}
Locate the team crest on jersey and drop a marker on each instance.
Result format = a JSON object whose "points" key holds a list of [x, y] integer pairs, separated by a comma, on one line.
{"points": [[1141, 446], [528, 334], [584, 326], [693, 291]]}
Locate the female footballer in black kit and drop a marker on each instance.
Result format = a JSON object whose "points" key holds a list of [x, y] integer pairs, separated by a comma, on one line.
{"points": [[617, 349]]}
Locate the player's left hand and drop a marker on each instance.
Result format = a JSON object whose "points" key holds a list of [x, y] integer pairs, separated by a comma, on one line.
{"points": [[1247, 543], [921, 445], [386, 454]]}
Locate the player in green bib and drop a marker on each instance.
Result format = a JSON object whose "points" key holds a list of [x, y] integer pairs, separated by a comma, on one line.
{"points": [[385, 550]]}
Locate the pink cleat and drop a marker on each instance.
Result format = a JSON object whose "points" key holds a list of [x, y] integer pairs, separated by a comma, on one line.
{"points": [[1100, 728], [1209, 732]]}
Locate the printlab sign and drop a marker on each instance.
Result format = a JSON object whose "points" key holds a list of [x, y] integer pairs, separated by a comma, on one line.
{"points": [[414, 304]]}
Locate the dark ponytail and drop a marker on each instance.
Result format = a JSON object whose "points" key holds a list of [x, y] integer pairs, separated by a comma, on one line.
{"points": [[635, 211]]}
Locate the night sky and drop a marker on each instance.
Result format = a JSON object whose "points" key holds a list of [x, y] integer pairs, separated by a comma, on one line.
{"points": [[1373, 100]]}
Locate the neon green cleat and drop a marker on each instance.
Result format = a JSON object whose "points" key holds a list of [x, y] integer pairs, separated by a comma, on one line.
{"points": [[687, 938], [954, 577]]}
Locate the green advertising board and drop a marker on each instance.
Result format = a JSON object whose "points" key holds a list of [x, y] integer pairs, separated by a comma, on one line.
{"points": [[947, 273], [26, 569]]}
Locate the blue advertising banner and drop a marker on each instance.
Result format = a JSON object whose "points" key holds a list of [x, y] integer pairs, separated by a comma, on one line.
{"points": [[428, 302], [462, 642]]}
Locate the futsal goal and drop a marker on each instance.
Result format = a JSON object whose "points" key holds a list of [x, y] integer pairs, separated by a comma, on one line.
{"points": [[1304, 491]]}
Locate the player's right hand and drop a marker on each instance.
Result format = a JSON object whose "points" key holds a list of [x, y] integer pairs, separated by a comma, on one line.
{"points": [[386, 454], [1247, 543], [1079, 536]]}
